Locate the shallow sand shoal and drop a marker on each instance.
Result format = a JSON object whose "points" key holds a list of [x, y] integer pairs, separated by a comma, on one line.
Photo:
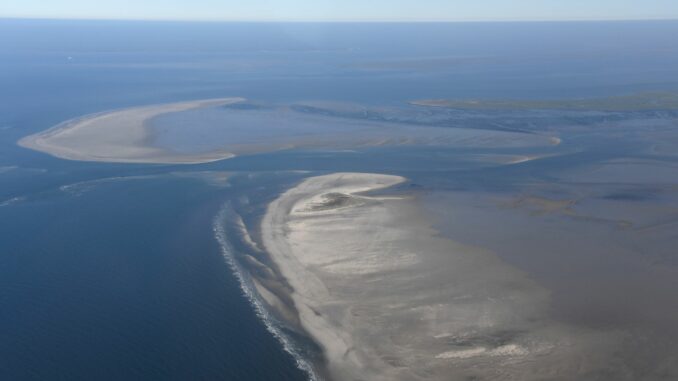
{"points": [[120, 136], [387, 298]]}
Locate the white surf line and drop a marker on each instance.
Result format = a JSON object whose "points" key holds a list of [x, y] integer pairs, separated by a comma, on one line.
{"points": [[249, 291]]}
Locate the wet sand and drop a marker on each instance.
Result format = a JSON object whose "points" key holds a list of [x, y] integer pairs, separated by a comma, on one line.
{"points": [[387, 298], [120, 136], [200, 132]]}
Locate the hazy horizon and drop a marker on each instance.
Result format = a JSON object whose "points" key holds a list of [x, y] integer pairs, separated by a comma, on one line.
{"points": [[347, 11], [338, 21]]}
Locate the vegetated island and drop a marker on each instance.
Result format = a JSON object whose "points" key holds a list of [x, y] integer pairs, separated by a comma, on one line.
{"points": [[120, 136], [637, 102]]}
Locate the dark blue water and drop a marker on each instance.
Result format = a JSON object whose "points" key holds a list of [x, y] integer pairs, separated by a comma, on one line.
{"points": [[123, 278]]}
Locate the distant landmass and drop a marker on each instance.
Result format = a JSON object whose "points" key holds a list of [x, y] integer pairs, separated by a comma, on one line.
{"points": [[634, 102]]}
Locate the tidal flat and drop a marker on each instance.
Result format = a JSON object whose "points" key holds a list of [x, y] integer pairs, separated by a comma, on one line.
{"points": [[635, 102], [436, 243], [210, 130], [543, 198], [387, 298]]}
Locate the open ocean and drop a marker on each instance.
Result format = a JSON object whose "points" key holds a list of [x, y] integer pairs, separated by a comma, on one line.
{"points": [[117, 272]]}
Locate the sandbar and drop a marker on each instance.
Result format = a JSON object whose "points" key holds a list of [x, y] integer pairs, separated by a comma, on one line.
{"points": [[387, 298], [120, 136]]}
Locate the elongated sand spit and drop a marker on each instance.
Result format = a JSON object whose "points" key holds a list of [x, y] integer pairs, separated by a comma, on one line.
{"points": [[387, 298], [120, 136]]}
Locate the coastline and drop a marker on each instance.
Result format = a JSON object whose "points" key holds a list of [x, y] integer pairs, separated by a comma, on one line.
{"points": [[131, 135], [257, 295], [119, 136], [306, 287], [385, 297], [640, 101]]}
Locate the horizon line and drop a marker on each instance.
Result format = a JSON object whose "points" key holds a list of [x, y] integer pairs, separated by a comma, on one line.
{"points": [[338, 21]]}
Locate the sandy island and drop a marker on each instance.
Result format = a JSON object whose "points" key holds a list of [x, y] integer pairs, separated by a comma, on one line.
{"points": [[387, 298], [120, 136], [175, 134]]}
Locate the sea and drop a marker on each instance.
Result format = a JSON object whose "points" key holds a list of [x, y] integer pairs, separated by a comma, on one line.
{"points": [[124, 271]]}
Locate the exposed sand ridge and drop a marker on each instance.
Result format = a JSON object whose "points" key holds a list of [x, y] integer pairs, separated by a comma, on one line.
{"points": [[120, 136], [387, 298]]}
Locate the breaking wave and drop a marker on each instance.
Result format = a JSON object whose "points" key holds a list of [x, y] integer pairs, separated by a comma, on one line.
{"points": [[247, 287]]}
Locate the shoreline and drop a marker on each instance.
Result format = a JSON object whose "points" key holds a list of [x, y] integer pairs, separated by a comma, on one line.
{"points": [[119, 136], [333, 343], [131, 135], [386, 297], [635, 102], [252, 291]]}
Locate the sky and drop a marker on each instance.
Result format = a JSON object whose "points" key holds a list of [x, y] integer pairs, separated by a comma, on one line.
{"points": [[343, 10]]}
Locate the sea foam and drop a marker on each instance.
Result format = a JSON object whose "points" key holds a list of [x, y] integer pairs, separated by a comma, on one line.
{"points": [[272, 324]]}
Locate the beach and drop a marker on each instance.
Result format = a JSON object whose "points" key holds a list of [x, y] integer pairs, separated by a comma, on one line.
{"points": [[120, 136], [387, 298], [204, 131]]}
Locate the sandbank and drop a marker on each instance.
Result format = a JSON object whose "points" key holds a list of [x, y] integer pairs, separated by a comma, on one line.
{"points": [[120, 136], [387, 298]]}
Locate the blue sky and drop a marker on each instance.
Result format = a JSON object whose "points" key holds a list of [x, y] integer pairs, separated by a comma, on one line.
{"points": [[343, 10]]}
